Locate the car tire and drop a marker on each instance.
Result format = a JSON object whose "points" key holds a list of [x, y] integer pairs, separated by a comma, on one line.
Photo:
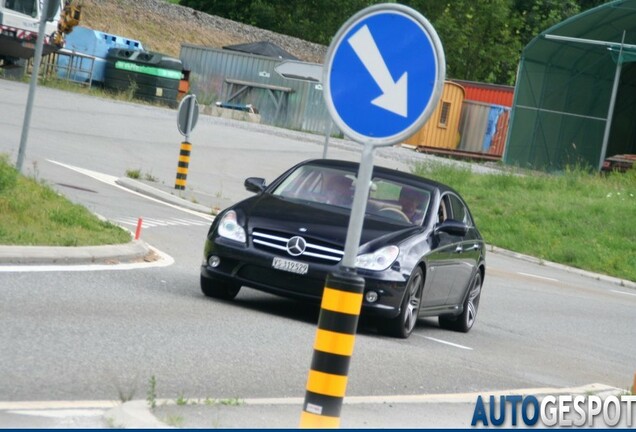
{"points": [[217, 289], [465, 321], [402, 325]]}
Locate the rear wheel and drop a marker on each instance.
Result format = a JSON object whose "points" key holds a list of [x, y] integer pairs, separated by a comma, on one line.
{"points": [[218, 289], [402, 325], [464, 321]]}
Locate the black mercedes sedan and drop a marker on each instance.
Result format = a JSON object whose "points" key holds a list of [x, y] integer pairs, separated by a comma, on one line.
{"points": [[420, 252]]}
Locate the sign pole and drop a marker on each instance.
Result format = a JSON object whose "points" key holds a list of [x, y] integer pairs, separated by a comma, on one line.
{"points": [[187, 116], [396, 59], [327, 134], [338, 320], [37, 59]]}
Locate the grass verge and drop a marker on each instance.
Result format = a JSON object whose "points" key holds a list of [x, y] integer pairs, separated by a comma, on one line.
{"points": [[32, 213], [577, 219]]}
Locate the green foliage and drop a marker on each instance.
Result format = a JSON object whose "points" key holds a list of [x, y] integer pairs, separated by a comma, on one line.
{"points": [[32, 213], [482, 39], [8, 174], [133, 173], [151, 394], [579, 219]]}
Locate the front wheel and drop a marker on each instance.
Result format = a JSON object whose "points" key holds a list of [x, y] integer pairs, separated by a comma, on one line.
{"points": [[218, 289], [464, 322], [402, 325]]}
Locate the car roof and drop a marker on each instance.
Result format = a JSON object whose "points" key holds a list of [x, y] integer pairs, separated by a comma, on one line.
{"points": [[408, 177]]}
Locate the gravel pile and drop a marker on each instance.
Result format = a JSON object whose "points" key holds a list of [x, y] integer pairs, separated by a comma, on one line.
{"points": [[304, 50]]}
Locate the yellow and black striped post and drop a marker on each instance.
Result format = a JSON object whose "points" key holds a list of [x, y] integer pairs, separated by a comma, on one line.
{"points": [[182, 167], [333, 347]]}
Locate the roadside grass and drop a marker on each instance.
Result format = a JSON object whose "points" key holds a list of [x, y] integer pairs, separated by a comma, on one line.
{"points": [[136, 174], [32, 213], [576, 218], [97, 91]]}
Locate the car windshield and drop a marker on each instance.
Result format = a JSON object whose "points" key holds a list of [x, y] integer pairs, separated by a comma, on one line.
{"points": [[388, 198]]}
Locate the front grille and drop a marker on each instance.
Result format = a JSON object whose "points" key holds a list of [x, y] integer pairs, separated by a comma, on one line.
{"points": [[314, 250]]}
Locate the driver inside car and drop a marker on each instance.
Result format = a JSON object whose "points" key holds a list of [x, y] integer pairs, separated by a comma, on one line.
{"points": [[339, 191], [412, 202]]}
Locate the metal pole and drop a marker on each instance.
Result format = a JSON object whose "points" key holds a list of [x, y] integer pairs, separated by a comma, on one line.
{"points": [[363, 184], [610, 110], [39, 44], [338, 321], [327, 134], [191, 103]]}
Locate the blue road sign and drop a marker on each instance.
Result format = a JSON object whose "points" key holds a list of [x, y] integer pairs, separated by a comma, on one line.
{"points": [[384, 74]]}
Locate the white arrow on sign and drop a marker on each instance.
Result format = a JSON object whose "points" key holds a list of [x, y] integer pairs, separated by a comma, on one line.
{"points": [[394, 93]]}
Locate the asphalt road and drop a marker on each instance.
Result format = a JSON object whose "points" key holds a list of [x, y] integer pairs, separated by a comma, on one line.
{"points": [[101, 335]]}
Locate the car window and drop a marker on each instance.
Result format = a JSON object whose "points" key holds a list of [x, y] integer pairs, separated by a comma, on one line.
{"points": [[388, 198], [397, 201], [459, 211], [443, 211], [318, 184], [27, 7]]}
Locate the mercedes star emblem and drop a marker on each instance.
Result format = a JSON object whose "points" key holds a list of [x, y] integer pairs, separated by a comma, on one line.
{"points": [[296, 246]]}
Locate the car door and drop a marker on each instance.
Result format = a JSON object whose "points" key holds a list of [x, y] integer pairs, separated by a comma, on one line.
{"points": [[441, 265], [466, 250]]}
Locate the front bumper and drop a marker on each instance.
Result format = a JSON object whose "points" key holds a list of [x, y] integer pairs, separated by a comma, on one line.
{"points": [[253, 268]]}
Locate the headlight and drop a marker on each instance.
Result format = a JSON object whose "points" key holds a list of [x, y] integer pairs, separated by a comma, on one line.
{"points": [[379, 260], [230, 229]]}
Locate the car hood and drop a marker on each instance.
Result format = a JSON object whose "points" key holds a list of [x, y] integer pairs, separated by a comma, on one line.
{"points": [[315, 220]]}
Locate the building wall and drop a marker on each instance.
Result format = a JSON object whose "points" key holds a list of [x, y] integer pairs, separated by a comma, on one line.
{"points": [[302, 109]]}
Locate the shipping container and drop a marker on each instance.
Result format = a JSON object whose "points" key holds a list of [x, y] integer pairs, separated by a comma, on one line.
{"points": [[487, 93], [483, 128], [442, 128], [93, 43]]}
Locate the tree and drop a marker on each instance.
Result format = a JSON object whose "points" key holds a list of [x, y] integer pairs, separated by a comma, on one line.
{"points": [[540, 15], [480, 40]]}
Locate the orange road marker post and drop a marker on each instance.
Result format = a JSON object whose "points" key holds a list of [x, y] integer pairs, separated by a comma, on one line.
{"points": [[138, 230], [333, 347], [182, 167]]}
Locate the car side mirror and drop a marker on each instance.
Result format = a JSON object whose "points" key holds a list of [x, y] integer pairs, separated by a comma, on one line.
{"points": [[255, 184], [452, 227]]}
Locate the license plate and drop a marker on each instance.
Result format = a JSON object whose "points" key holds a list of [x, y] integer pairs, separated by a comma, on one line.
{"points": [[290, 266]]}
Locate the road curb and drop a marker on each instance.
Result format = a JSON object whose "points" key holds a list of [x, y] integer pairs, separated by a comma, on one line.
{"points": [[106, 254], [586, 273], [153, 192], [137, 414]]}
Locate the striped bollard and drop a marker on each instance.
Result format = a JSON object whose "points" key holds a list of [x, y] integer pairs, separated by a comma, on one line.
{"points": [[333, 347], [182, 167]]}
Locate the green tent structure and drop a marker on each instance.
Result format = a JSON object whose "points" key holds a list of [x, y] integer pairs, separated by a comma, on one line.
{"points": [[575, 97]]}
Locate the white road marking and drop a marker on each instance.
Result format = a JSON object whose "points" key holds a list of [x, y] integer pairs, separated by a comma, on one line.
{"points": [[61, 413], [47, 405], [111, 180], [623, 292], [152, 222], [538, 277], [445, 342]]}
